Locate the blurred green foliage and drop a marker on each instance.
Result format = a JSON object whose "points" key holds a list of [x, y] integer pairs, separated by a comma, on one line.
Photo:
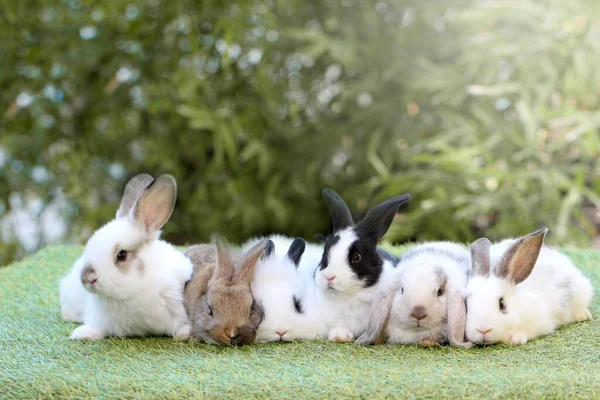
{"points": [[485, 111]]}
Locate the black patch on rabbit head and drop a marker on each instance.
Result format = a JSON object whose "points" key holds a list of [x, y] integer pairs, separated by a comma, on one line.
{"points": [[329, 243], [370, 265], [298, 305]]}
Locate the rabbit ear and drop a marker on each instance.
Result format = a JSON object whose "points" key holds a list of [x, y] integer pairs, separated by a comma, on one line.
{"points": [[155, 205], [245, 271], [480, 257], [340, 213], [296, 250], [380, 311], [132, 192], [317, 237], [224, 268], [379, 218], [457, 319], [519, 259]]}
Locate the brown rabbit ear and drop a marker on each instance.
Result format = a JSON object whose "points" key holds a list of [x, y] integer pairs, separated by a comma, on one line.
{"points": [[156, 203], [225, 263], [245, 271], [457, 319], [480, 257], [132, 192], [519, 259], [380, 311]]}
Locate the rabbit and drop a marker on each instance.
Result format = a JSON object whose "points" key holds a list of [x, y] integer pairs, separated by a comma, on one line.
{"points": [[521, 289], [424, 301], [288, 299], [218, 298], [128, 282], [352, 267]]}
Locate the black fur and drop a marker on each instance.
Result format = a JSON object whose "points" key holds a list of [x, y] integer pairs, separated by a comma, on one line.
{"points": [[379, 218], [329, 243], [298, 305], [296, 250], [341, 217], [268, 250], [370, 266]]}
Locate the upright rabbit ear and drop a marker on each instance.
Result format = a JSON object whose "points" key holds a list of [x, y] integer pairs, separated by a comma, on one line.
{"points": [[296, 250], [340, 213], [380, 311], [480, 257], [224, 268], [457, 319], [132, 192], [519, 259], [379, 218], [245, 271], [155, 205]]}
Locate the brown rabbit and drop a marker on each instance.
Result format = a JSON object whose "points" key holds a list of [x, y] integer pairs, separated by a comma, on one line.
{"points": [[218, 299]]}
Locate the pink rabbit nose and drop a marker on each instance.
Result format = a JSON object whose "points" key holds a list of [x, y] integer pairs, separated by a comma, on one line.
{"points": [[484, 332], [281, 334], [419, 312], [331, 279]]}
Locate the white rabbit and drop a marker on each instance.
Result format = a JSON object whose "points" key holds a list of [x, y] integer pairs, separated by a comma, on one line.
{"points": [[286, 297], [352, 268], [128, 282], [424, 301], [528, 291]]}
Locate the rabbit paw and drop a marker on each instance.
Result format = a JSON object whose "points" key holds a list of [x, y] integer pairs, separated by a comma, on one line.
{"points": [[428, 343], [182, 334], [341, 335], [85, 332], [583, 316], [517, 338]]}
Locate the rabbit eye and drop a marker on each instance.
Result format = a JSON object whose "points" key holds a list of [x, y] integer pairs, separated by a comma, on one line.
{"points": [[402, 290], [210, 312], [121, 256], [356, 258], [440, 291], [501, 304]]}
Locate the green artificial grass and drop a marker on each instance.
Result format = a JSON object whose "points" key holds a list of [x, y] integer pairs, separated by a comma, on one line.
{"points": [[37, 359]]}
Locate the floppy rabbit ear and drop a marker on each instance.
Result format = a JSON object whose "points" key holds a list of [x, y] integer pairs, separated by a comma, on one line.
{"points": [[132, 192], [457, 319], [519, 259], [245, 270], [296, 250], [379, 218], [225, 263], [380, 311], [480, 257], [154, 207], [340, 213]]}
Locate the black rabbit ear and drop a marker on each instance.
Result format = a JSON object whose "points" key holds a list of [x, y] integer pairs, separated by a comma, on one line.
{"points": [[379, 218], [340, 213], [296, 250], [317, 237]]}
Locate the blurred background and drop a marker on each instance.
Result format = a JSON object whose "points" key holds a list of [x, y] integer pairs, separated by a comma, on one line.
{"points": [[487, 112]]}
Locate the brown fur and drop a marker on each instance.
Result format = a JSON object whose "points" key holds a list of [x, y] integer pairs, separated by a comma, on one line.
{"points": [[133, 190], [480, 257], [518, 261], [221, 283]]}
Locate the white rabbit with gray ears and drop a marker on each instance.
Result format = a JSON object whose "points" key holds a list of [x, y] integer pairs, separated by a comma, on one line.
{"points": [[521, 289], [352, 267], [128, 282], [424, 302]]}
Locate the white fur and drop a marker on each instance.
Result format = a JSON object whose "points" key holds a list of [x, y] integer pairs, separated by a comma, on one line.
{"points": [[415, 284], [276, 282], [345, 305], [141, 301], [534, 307]]}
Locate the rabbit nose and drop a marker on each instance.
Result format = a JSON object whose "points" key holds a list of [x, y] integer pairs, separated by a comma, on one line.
{"points": [[419, 312], [88, 275], [330, 279], [484, 332], [281, 334]]}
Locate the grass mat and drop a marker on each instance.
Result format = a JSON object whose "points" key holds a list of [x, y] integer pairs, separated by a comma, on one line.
{"points": [[37, 359]]}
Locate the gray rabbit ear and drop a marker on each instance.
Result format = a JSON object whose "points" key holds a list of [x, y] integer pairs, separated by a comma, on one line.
{"points": [[341, 217], [380, 311], [155, 205], [519, 259], [457, 319], [480, 257], [296, 251], [132, 192]]}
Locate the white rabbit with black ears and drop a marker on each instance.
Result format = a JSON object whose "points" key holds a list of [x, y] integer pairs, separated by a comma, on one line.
{"points": [[286, 297], [424, 302], [128, 282], [353, 268], [521, 289]]}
